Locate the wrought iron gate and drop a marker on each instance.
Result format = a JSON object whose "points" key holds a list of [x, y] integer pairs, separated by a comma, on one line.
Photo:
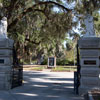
{"points": [[77, 73], [17, 71]]}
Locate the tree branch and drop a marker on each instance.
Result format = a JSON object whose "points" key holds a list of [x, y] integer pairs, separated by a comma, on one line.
{"points": [[19, 17], [11, 7], [32, 41], [30, 9], [55, 3]]}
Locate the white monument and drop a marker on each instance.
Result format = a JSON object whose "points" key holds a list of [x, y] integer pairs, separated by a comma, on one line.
{"points": [[90, 32], [3, 28]]}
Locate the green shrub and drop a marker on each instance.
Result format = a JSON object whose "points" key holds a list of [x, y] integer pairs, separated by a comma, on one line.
{"points": [[59, 62], [45, 62], [63, 62]]}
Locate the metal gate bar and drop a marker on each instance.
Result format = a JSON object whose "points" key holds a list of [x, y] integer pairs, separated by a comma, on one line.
{"points": [[17, 71]]}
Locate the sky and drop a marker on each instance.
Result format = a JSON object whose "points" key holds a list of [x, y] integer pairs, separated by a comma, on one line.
{"points": [[69, 6]]}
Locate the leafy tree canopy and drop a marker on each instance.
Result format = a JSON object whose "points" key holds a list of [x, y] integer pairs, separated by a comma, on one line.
{"points": [[38, 28]]}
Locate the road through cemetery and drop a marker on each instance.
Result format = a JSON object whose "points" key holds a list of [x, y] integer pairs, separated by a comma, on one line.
{"points": [[43, 85]]}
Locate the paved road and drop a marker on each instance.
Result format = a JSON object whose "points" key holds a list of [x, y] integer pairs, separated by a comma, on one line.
{"points": [[43, 86]]}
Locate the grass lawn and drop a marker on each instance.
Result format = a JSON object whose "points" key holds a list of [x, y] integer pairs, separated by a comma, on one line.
{"points": [[64, 68], [34, 68], [58, 68]]}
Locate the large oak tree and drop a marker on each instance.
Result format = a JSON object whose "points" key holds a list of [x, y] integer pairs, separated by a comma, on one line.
{"points": [[38, 28]]}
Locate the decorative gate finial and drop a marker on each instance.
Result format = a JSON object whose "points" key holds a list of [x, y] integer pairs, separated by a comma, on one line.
{"points": [[89, 26], [3, 28]]}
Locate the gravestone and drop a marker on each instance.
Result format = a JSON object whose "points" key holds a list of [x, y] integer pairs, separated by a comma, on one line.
{"points": [[89, 47]]}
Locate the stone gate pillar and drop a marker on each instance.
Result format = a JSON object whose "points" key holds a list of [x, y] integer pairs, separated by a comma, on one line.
{"points": [[89, 48], [6, 63], [10, 73]]}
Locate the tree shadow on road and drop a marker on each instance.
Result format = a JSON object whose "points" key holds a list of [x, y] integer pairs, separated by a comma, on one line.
{"points": [[43, 86]]}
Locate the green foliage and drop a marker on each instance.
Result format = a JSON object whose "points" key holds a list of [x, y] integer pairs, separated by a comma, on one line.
{"points": [[69, 44], [97, 23], [64, 68], [0, 1], [62, 62], [39, 31], [45, 62]]}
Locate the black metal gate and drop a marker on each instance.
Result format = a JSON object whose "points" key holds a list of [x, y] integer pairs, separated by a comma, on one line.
{"points": [[17, 71], [77, 73]]}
